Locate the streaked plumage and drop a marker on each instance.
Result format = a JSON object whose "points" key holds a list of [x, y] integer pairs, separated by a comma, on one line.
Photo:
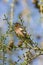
{"points": [[19, 30]]}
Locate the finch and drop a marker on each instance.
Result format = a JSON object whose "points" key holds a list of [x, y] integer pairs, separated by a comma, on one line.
{"points": [[19, 30]]}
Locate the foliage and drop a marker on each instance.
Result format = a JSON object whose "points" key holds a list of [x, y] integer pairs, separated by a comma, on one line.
{"points": [[24, 43]]}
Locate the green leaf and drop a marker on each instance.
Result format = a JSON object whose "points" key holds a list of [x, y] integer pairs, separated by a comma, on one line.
{"points": [[23, 63]]}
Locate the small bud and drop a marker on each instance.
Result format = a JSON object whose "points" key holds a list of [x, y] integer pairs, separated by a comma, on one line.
{"points": [[20, 43], [11, 44]]}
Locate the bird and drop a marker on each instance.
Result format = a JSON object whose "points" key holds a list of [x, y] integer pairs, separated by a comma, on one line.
{"points": [[19, 30]]}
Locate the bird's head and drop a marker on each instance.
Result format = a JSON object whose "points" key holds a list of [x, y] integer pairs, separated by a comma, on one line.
{"points": [[17, 26]]}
